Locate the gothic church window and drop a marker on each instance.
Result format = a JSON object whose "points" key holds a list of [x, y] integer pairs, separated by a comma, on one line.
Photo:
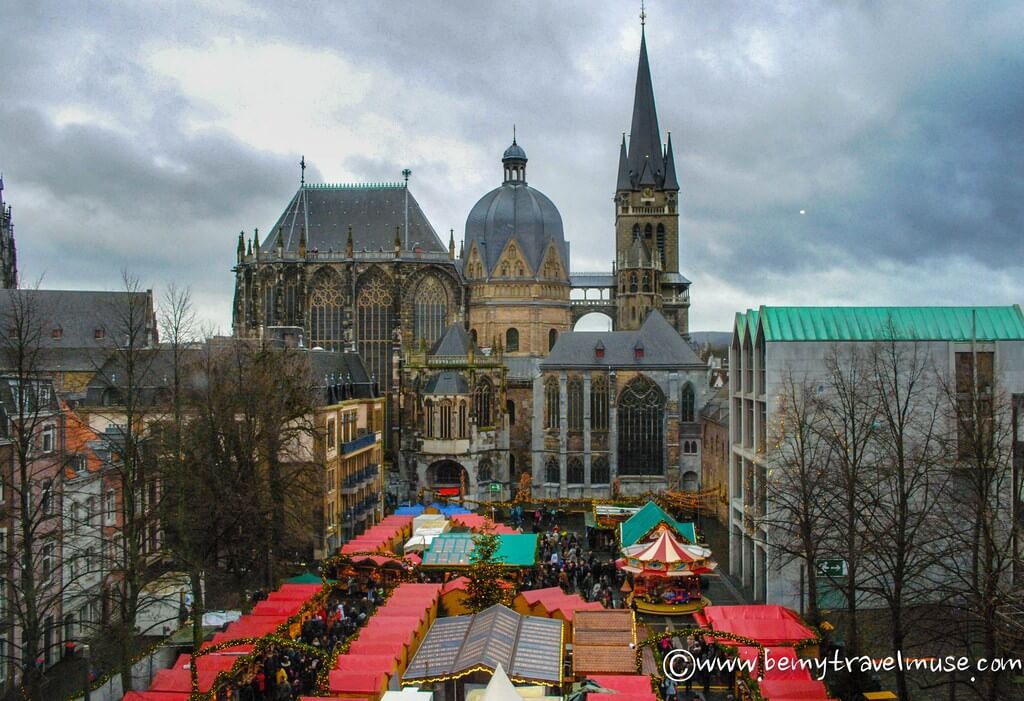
{"points": [[463, 431], [268, 302], [575, 397], [686, 405], [373, 327], [551, 400], [430, 310], [325, 311], [599, 404], [428, 415], [599, 471], [661, 244], [636, 231], [641, 410], [647, 232], [632, 282], [512, 340], [446, 419], [574, 471], [551, 471], [483, 397], [647, 282]]}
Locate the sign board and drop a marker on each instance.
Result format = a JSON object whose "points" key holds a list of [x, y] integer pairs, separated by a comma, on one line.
{"points": [[495, 486], [832, 567]]}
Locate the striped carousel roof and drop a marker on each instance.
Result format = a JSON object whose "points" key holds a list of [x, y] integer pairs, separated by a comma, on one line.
{"points": [[665, 548]]}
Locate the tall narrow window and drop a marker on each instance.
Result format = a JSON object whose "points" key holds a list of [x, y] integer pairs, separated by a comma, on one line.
{"points": [[599, 471], [647, 232], [510, 409], [599, 403], [574, 390], [269, 298], [686, 405], [552, 338], [463, 430], [430, 310], [483, 397], [428, 416], [661, 244], [325, 310], [374, 321], [446, 419], [551, 403], [641, 412], [636, 231], [512, 340], [484, 473], [291, 302]]}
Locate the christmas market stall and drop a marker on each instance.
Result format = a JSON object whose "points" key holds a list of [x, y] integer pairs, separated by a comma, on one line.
{"points": [[453, 551], [463, 650]]}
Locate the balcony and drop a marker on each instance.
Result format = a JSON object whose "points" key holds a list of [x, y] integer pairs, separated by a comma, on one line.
{"points": [[358, 444], [353, 483]]}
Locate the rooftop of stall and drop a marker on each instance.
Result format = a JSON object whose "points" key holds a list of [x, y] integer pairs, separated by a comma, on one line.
{"points": [[452, 550]]}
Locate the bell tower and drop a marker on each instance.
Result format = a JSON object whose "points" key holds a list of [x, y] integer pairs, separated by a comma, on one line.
{"points": [[647, 205]]}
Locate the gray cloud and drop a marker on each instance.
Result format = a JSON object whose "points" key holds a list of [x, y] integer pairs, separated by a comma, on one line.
{"points": [[899, 128]]}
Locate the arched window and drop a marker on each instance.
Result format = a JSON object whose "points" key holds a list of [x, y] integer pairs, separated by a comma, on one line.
{"points": [[430, 310], [690, 481], [641, 411], [661, 244], [552, 338], [428, 418], [483, 473], [325, 314], [292, 317], [446, 419], [472, 336], [599, 471], [463, 426], [510, 409], [636, 231], [647, 232], [373, 328], [686, 403], [551, 471], [574, 471], [574, 391], [449, 472], [632, 282], [512, 340], [551, 403], [269, 298], [599, 403], [483, 397], [647, 282]]}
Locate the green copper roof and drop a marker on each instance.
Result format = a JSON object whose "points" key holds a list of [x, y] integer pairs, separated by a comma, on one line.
{"points": [[881, 323], [646, 519], [454, 550]]}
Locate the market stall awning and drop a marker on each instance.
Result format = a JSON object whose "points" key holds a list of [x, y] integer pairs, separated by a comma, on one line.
{"points": [[768, 624], [640, 524], [530, 648], [455, 550], [793, 690], [623, 683]]}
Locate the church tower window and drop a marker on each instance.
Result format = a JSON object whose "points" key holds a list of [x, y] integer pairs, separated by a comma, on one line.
{"points": [[512, 340], [661, 244], [483, 398], [552, 338]]}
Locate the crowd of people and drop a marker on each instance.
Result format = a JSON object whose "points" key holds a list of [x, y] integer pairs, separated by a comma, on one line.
{"points": [[704, 653], [562, 562]]}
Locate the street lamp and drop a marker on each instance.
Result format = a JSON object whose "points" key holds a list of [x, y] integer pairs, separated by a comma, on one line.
{"points": [[87, 682]]}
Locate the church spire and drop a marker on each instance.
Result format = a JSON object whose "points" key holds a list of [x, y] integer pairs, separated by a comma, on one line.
{"points": [[623, 182], [644, 135], [671, 183]]}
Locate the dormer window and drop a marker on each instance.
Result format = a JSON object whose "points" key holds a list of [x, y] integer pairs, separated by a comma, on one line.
{"points": [[638, 351], [99, 333], [599, 351], [57, 333]]}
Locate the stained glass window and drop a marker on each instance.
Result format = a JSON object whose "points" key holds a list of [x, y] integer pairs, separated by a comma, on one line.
{"points": [[599, 403], [374, 320], [686, 405], [574, 470], [430, 310], [325, 311], [641, 410], [575, 398]]}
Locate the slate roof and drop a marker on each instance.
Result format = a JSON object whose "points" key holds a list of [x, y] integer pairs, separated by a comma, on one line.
{"points": [[663, 347], [325, 212], [529, 648], [881, 323], [717, 408], [516, 210], [521, 368], [454, 341], [79, 313], [446, 382]]}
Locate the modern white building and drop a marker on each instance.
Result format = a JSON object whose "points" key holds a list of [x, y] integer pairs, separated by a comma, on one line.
{"points": [[771, 344]]}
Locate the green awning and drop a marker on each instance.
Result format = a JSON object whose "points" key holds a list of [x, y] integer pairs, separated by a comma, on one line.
{"points": [[646, 519], [305, 578], [454, 550]]}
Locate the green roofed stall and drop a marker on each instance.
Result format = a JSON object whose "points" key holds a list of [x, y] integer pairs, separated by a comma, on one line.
{"points": [[647, 519], [455, 550], [960, 324]]}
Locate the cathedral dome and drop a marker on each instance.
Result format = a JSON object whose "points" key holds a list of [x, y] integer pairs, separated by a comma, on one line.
{"points": [[515, 211]]}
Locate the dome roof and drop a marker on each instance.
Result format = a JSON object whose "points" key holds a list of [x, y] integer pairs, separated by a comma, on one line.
{"points": [[520, 211], [514, 151]]}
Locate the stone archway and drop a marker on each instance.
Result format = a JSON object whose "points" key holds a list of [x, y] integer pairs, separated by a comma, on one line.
{"points": [[449, 478]]}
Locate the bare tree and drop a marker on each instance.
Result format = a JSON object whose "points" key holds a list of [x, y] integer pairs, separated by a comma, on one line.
{"points": [[849, 420], [798, 484], [902, 530]]}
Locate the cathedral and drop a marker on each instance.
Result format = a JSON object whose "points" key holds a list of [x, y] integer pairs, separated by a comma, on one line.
{"points": [[484, 375], [8, 254]]}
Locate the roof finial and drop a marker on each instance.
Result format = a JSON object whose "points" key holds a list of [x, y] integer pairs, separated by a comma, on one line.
{"points": [[302, 165], [513, 132], [643, 16]]}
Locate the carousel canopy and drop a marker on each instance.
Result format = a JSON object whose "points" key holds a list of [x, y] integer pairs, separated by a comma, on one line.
{"points": [[529, 647], [644, 521], [667, 556]]}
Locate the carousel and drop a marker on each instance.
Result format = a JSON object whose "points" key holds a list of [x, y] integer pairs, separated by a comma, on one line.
{"points": [[666, 574]]}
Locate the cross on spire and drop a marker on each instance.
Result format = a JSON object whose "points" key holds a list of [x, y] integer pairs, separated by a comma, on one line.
{"points": [[302, 165], [643, 15]]}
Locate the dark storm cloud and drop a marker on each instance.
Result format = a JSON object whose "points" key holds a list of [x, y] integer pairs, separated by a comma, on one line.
{"points": [[899, 128]]}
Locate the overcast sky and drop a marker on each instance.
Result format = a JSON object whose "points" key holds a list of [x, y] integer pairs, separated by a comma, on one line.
{"points": [[146, 135]]}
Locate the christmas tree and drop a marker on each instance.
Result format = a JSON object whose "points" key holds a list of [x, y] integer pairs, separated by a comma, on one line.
{"points": [[485, 587]]}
